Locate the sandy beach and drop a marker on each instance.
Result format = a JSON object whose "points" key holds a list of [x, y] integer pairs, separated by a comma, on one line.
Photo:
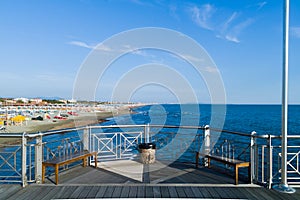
{"points": [[84, 119]]}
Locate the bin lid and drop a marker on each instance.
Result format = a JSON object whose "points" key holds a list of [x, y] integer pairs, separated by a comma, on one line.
{"points": [[147, 146]]}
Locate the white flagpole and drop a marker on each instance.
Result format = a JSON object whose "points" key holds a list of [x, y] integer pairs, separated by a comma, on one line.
{"points": [[283, 186]]}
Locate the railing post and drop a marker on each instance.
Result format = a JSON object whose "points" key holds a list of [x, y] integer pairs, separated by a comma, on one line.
{"points": [[270, 162], [85, 139], [24, 164], [38, 159], [252, 158], [146, 133], [206, 144]]}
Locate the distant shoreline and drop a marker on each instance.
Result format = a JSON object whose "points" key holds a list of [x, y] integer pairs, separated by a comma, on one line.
{"points": [[84, 119]]}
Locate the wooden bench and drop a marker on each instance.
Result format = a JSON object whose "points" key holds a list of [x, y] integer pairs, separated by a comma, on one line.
{"points": [[233, 162], [63, 160]]}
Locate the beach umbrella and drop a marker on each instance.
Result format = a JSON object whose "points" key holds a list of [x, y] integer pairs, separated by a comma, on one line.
{"points": [[18, 118]]}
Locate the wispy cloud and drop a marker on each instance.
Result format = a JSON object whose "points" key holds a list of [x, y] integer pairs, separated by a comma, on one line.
{"points": [[233, 33], [82, 44], [172, 11], [202, 15], [295, 31], [229, 21], [260, 5], [98, 47], [208, 17]]}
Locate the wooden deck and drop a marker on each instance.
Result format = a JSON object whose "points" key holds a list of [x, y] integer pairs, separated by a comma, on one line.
{"points": [[117, 181]]}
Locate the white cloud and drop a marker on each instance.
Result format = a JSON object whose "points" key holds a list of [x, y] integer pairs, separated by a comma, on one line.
{"points": [[82, 44], [295, 31], [202, 15], [192, 58], [103, 48], [232, 38], [207, 17], [261, 5], [229, 21], [235, 31]]}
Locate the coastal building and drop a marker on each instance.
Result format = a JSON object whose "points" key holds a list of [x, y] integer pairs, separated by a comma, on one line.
{"points": [[36, 101], [21, 99]]}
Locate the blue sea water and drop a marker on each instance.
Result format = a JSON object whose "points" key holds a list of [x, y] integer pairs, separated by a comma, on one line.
{"points": [[264, 119]]}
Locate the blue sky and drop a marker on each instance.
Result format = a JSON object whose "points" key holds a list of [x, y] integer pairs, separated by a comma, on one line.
{"points": [[44, 43]]}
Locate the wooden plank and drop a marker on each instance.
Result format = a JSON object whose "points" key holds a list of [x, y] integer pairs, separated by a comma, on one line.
{"points": [[109, 192], [51, 194], [30, 191], [243, 193], [60, 193], [67, 193], [205, 192], [9, 190], [197, 192], [156, 192], [141, 192], [180, 192], [224, 192], [165, 192], [173, 192], [214, 192], [85, 192], [117, 192], [240, 193], [133, 192], [16, 195], [189, 193], [149, 192], [76, 193], [101, 192], [92, 193], [125, 192]]}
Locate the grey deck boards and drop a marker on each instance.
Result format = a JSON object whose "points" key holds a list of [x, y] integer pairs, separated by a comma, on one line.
{"points": [[174, 181], [148, 191]]}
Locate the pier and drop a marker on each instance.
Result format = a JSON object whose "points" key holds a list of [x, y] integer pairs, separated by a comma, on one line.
{"points": [[188, 182], [121, 174]]}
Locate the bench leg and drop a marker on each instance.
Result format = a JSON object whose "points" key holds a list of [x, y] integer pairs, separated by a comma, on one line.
{"points": [[197, 159], [249, 174], [84, 161], [56, 174], [236, 182], [208, 162], [95, 160], [43, 173]]}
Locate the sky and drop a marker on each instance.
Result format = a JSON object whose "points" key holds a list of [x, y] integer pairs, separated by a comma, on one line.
{"points": [[44, 45]]}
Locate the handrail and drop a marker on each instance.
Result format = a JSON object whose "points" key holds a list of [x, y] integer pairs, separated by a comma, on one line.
{"points": [[265, 136], [32, 135]]}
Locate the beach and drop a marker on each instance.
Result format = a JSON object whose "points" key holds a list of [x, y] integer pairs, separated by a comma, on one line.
{"points": [[83, 119]]}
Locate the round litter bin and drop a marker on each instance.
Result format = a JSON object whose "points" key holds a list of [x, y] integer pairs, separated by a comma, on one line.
{"points": [[147, 151]]}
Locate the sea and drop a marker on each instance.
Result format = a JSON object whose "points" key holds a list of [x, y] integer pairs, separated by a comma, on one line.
{"points": [[263, 119], [245, 119]]}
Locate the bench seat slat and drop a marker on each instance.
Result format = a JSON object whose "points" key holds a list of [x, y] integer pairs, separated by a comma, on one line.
{"points": [[63, 160], [233, 162], [228, 161]]}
